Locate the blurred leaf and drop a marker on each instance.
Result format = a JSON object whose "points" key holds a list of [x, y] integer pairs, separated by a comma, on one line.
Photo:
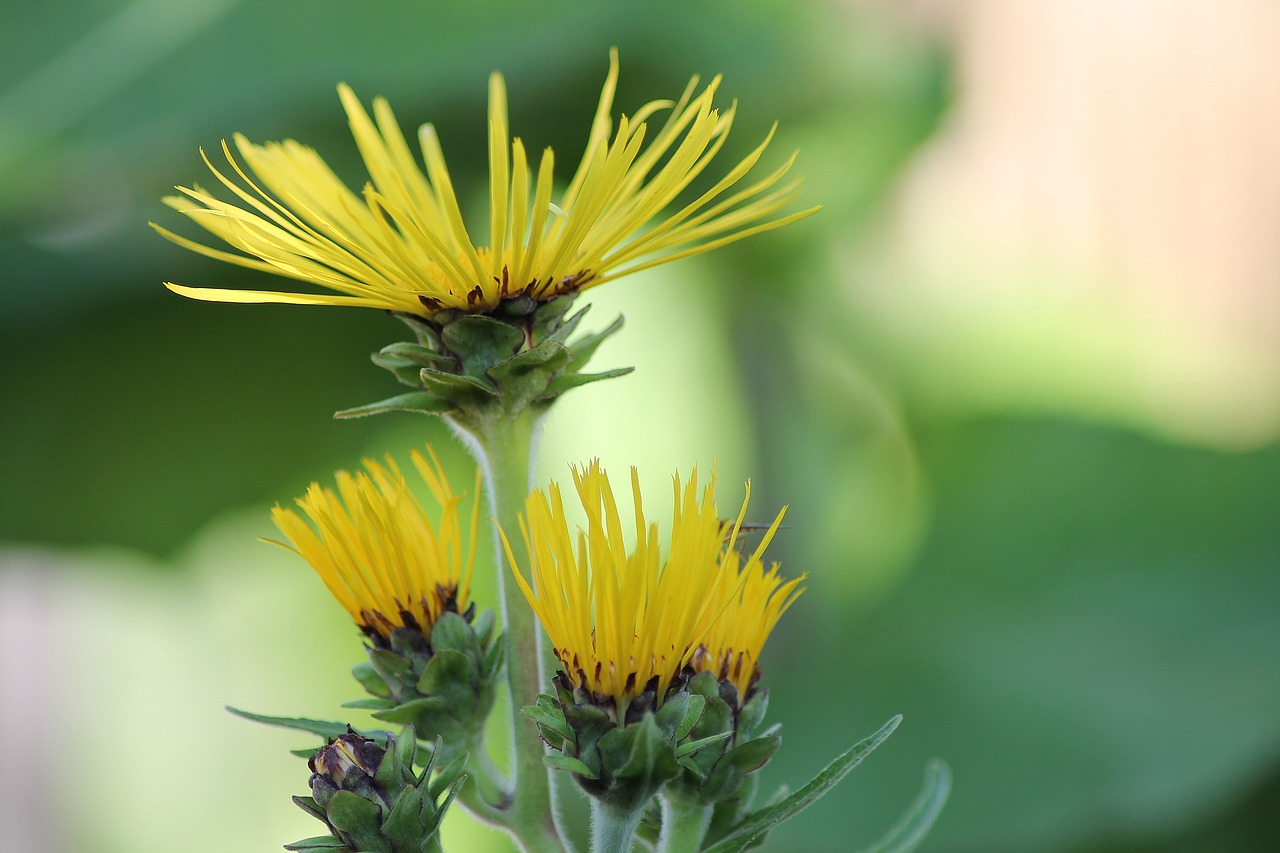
{"points": [[907, 834]]}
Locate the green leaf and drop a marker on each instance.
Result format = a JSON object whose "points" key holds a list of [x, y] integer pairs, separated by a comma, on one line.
{"points": [[403, 826], [586, 346], [758, 823], [692, 713], [483, 626], [548, 716], [568, 381], [451, 676], [414, 401], [454, 386], [480, 342], [323, 728], [369, 704], [318, 842], [391, 667], [915, 824], [547, 356], [451, 631], [413, 354], [370, 680], [692, 746], [310, 806], [568, 763], [358, 819]]}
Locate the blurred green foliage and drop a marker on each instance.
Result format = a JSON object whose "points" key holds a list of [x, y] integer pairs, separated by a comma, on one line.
{"points": [[1082, 621]]}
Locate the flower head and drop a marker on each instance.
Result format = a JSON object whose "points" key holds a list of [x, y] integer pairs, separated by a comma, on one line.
{"points": [[402, 244], [623, 623], [377, 549]]}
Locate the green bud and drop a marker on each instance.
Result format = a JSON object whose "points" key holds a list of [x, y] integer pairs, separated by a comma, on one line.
{"points": [[443, 683], [624, 761], [472, 367], [371, 799]]}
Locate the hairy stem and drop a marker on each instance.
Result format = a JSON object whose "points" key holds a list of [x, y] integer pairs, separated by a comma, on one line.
{"points": [[613, 830], [504, 446], [684, 824]]}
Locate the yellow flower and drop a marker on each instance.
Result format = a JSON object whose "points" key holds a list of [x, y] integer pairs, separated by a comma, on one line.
{"points": [[377, 550], [624, 622], [403, 245]]}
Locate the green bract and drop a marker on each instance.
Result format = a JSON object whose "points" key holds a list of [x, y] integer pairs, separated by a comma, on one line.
{"points": [[473, 367]]}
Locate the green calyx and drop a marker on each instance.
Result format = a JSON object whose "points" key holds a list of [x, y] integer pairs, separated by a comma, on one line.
{"points": [[442, 684], [372, 801], [473, 367], [623, 763]]}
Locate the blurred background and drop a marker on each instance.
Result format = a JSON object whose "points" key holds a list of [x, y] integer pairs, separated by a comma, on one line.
{"points": [[1019, 383]]}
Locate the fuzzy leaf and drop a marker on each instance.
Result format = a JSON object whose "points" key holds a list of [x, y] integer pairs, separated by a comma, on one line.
{"points": [[310, 806], [692, 713], [454, 386], [323, 728], [358, 818], [414, 401], [370, 680], [451, 631], [369, 704], [586, 346], [318, 842], [568, 381], [692, 746], [481, 342], [415, 354], [915, 824], [451, 676], [758, 823], [568, 763]]}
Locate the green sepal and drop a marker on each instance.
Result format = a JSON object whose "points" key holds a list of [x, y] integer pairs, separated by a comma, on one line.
{"points": [[323, 728], [751, 714], [396, 671], [568, 381], [370, 680], [549, 316], [403, 824], [310, 806], [493, 660], [735, 767], [320, 842], [483, 626], [757, 824], [406, 354], [451, 676], [480, 342], [459, 388], [569, 764], [550, 721], [429, 717], [448, 776], [915, 823], [704, 684], [692, 714], [358, 819], [414, 401], [451, 631], [369, 704], [637, 760], [586, 346], [691, 746]]}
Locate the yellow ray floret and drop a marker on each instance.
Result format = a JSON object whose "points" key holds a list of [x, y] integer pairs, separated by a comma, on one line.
{"points": [[378, 550], [619, 620], [402, 243]]}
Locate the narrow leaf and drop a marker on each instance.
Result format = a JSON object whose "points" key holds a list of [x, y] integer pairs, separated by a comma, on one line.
{"points": [[414, 401], [317, 842], [915, 824], [569, 763], [757, 824], [323, 728]]}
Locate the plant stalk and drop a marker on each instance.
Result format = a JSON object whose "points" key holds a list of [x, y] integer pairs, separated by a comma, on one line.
{"points": [[613, 830], [684, 824], [504, 446]]}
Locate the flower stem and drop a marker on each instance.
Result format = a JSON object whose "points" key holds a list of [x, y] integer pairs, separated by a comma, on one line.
{"points": [[684, 824], [613, 830], [504, 446]]}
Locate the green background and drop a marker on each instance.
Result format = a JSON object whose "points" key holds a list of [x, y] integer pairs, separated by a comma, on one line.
{"points": [[1078, 614]]}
